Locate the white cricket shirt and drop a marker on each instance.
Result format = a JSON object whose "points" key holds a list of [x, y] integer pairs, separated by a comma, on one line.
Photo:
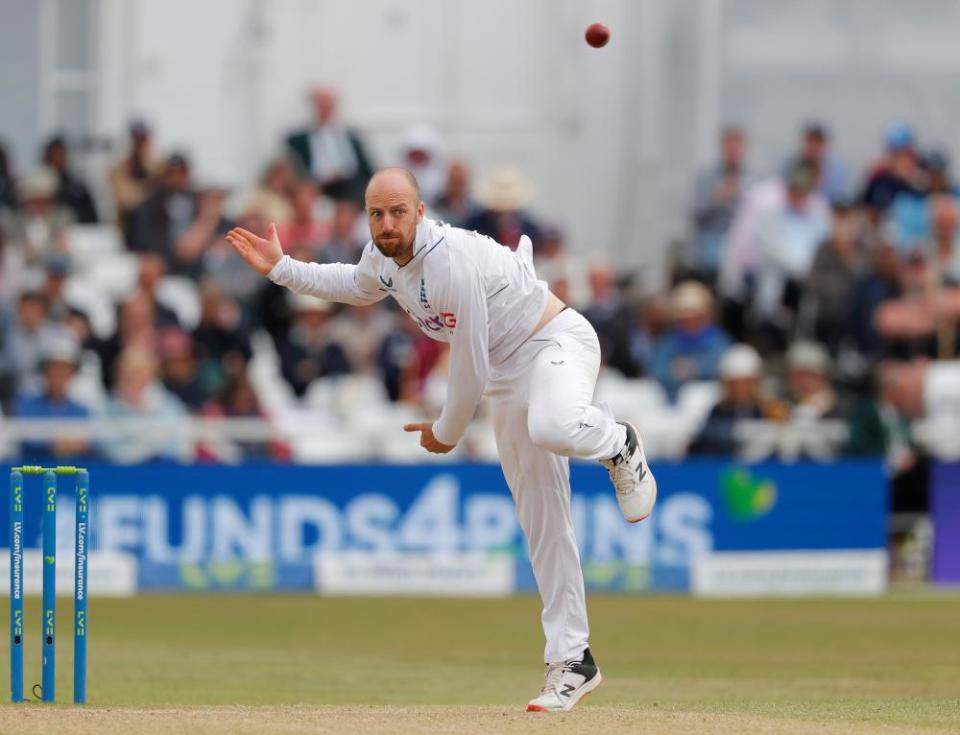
{"points": [[460, 287]]}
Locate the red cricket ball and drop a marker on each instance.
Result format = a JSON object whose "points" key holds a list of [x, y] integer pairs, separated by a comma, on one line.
{"points": [[597, 35]]}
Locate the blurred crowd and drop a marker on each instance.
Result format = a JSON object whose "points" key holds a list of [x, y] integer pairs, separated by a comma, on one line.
{"points": [[807, 293]]}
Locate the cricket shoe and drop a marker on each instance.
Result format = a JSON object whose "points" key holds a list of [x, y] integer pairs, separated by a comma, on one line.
{"points": [[631, 476], [567, 684]]}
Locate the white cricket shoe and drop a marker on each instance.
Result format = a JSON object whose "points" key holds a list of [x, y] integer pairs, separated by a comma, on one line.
{"points": [[631, 476], [567, 684]]}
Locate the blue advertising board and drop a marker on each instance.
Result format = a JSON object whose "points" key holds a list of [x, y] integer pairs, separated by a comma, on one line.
{"points": [[265, 526]]}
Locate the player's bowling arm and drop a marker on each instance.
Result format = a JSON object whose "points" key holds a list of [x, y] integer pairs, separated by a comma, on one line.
{"points": [[469, 355]]}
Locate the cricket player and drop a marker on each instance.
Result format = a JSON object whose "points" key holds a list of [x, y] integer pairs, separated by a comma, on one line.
{"points": [[535, 359]]}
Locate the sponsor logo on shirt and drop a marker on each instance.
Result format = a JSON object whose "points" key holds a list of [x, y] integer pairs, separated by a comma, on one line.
{"points": [[435, 323], [388, 282]]}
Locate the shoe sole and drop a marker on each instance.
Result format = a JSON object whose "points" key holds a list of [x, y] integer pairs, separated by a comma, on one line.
{"points": [[643, 460], [589, 687]]}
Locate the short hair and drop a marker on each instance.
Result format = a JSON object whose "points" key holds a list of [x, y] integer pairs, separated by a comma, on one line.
{"points": [[411, 179]]}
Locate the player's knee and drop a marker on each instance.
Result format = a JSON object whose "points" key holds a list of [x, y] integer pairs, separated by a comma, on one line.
{"points": [[550, 432]]}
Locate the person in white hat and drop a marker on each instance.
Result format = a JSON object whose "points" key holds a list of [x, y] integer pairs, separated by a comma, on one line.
{"points": [[741, 371], [37, 230], [504, 197], [308, 350], [692, 348], [420, 150], [808, 383], [59, 357], [536, 360]]}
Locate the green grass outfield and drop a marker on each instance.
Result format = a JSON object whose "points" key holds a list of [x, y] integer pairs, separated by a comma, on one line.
{"points": [[893, 661]]}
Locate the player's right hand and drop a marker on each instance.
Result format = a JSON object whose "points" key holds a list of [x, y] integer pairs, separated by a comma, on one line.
{"points": [[261, 254]]}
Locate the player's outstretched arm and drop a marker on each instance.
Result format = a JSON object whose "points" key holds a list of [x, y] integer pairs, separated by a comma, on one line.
{"points": [[332, 281], [261, 254]]}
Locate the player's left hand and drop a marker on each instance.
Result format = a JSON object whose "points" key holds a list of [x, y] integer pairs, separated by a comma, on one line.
{"points": [[427, 440]]}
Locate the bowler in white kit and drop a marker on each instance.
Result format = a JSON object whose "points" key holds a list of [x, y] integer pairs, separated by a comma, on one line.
{"points": [[535, 359]]}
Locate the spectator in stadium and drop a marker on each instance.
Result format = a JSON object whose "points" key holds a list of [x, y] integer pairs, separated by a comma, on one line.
{"points": [[178, 369], [909, 224], [176, 222], [809, 390], [329, 152], [8, 185], [360, 330], [304, 229], [271, 311], [880, 426], [559, 268], [139, 322], [78, 324], [139, 395], [236, 400], [815, 147], [773, 241], [611, 318], [308, 351], [693, 347], [72, 192], [207, 229], [717, 193], [56, 270], [394, 357], [59, 359], [944, 233], [650, 320], [8, 365], [222, 342], [151, 271], [348, 237], [456, 204], [164, 217], [421, 157], [879, 284], [30, 331], [133, 176], [922, 322], [38, 228], [505, 196], [897, 172], [271, 200], [829, 288], [221, 263], [741, 371]]}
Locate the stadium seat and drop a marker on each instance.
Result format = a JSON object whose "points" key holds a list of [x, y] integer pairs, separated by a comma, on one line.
{"points": [[90, 244], [315, 439], [272, 390], [630, 398], [180, 294], [696, 400]]}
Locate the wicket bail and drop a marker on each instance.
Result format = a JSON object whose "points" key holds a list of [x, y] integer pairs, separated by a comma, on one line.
{"points": [[49, 551]]}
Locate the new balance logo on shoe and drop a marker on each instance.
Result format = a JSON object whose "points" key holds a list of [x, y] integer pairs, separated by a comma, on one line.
{"points": [[632, 479], [566, 684]]}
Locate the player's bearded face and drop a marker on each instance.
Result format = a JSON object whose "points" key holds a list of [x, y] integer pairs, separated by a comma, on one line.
{"points": [[393, 226]]}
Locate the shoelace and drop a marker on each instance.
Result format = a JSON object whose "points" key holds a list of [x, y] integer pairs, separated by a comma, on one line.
{"points": [[555, 674], [623, 476]]}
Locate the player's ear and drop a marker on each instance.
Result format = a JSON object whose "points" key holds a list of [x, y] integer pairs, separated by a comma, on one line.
{"points": [[421, 208]]}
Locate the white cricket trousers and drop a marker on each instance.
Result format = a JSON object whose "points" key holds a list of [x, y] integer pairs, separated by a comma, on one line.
{"points": [[542, 399]]}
